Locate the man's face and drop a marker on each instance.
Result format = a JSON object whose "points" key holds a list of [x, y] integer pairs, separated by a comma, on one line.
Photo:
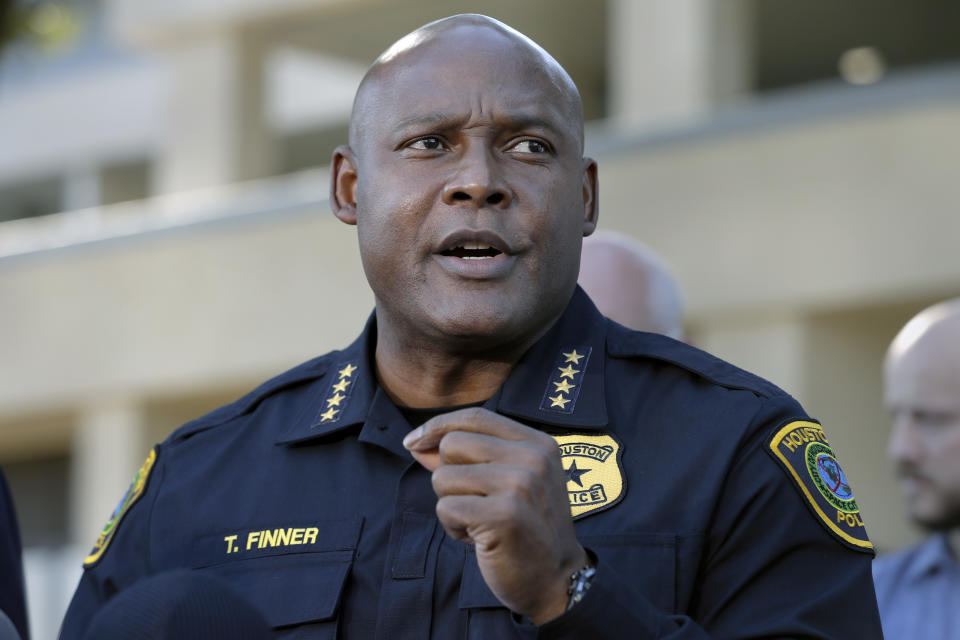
{"points": [[923, 395], [471, 192]]}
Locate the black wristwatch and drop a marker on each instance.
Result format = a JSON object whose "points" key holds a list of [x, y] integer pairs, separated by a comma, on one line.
{"points": [[580, 582]]}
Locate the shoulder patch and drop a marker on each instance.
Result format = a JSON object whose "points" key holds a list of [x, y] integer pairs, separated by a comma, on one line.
{"points": [[802, 449], [134, 491], [594, 471]]}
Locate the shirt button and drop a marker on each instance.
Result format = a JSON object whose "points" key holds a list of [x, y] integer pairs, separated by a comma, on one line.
{"points": [[383, 427]]}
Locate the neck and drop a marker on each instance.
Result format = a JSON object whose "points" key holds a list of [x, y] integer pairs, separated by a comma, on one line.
{"points": [[425, 373]]}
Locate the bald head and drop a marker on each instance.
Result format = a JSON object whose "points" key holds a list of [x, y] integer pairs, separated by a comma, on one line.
{"points": [[485, 42], [466, 179], [630, 284], [922, 392], [926, 355]]}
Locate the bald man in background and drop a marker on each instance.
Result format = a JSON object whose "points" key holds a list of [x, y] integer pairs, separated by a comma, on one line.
{"points": [[630, 284], [918, 589]]}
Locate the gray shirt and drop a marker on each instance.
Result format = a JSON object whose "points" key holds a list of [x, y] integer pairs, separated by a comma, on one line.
{"points": [[918, 591]]}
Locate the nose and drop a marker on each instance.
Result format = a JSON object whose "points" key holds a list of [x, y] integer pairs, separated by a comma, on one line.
{"points": [[904, 445], [478, 179]]}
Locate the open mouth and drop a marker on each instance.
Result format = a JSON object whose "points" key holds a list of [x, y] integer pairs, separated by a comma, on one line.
{"points": [[472, 251]]}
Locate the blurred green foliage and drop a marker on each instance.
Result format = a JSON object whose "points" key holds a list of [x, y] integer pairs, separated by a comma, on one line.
{"points": [[49, 26]]}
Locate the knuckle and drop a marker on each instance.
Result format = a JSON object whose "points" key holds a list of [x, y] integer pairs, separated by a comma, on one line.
{"points": [[439, 479], [546, 441], [432, 425], [540, 462], [445, 509], [443, 447], [519, 483], [474, 414], [526, 480], [512, 512], [448, 444], [451, 443], [552, 455]]}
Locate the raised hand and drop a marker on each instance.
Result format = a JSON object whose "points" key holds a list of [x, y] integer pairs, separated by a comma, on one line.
{"points": [[501, 487]]}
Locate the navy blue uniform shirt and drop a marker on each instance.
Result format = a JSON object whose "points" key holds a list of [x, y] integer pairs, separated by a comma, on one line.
{"points": [[683, 475], [13, 600]]}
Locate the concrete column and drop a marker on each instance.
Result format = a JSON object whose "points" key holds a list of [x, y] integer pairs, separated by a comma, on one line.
{"points": [[257, 144], [216, 129], [672, 61], [108, 448], [81, 188]]}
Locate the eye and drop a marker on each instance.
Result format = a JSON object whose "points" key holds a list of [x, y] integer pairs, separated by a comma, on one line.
{"points": [[529, 146], [935, 420], [427, 143]]}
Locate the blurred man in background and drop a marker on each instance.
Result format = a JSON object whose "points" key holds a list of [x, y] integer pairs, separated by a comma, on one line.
{"points": [[630, 284], [918, 589]]}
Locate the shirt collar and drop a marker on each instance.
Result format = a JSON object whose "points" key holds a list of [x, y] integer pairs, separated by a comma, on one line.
{"points": [[344, 396], [933, 556], [559, 382]]}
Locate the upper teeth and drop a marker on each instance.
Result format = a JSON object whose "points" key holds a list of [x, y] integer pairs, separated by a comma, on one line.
{"points": [[475, 245]]}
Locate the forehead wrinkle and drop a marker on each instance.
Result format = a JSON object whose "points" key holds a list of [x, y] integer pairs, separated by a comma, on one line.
{"points": [[440, 119]]}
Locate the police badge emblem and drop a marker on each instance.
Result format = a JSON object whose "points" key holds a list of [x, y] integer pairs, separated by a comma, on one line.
{"points": [[594, 471], [134, 491], [802, 449]]}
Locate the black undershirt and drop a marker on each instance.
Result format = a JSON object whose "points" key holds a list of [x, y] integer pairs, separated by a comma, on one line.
{"points": [[417, 416]]}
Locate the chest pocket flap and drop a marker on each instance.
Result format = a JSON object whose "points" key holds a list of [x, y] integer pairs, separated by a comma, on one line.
{"points": [[299, 587], [647, 560]]}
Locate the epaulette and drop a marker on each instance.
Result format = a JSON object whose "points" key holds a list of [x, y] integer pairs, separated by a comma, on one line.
{"points": [[626, 343], [309, 370]]}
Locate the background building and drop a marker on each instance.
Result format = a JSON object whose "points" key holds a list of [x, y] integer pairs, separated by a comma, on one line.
{"points": [[166, 244]]}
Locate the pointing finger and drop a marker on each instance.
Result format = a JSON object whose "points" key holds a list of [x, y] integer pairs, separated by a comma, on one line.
{"points": [[474, 419]]}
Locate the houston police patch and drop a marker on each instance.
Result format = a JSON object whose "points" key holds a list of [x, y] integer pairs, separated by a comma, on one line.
{"points": [[802, 449], [134, 491], [594, 471]]}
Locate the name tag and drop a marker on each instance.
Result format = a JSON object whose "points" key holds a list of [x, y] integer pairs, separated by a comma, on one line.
{"points": [[282, 538]]}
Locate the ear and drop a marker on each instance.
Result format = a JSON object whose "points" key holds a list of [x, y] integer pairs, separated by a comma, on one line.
{"points": [[343, 184], [591, 210]]}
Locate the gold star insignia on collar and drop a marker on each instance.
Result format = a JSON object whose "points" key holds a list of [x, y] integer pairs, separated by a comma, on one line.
{"points": [[568, 371], [567, 379], [337, 397]]}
